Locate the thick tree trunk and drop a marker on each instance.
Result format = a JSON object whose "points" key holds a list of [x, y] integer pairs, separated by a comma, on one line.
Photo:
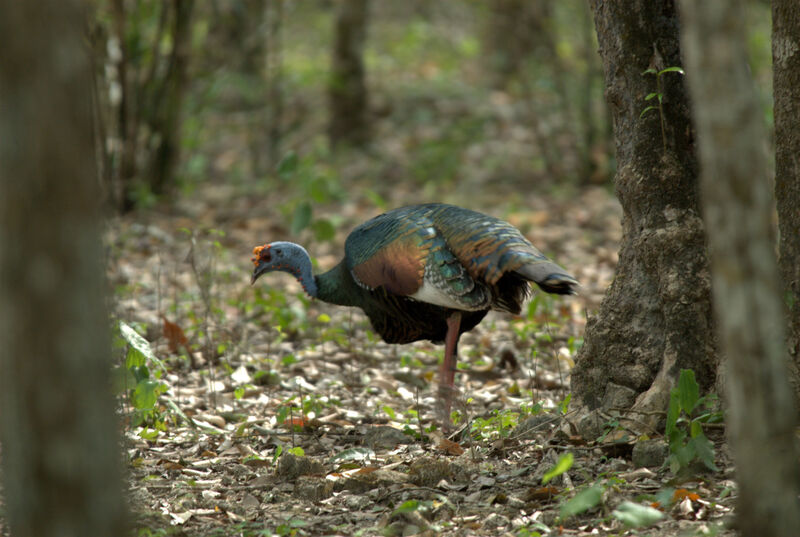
{"points": [[60, 455], [347, 89], [656, 317], [738, 210], [786, 90]]}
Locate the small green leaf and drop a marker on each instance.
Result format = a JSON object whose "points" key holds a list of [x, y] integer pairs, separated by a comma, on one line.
{"points": [[287, 165], [324, 318], [238, 392], [673, 411], [297, 451], [301, 218], [671, 70], [564, 463], [636, 516], [688, 390], [145, 395], [563, 406], [651, 107], [407, 506], [389, 411], [318, 190], [148, 434], [134, 358], [650, 71], [650, 96], [582, 501], [282, 413], [138, 342], [323, 230], [704, 450], [696, 429]]}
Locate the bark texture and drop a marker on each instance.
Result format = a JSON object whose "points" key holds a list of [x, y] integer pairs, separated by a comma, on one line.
{"points": [[786, 89], [347, 88], [60, 457], [656, 316], [738, 210]]}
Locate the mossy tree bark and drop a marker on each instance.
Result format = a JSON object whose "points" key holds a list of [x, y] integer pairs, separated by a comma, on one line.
{"points": [[656, 316], [58, 431], [347, 89], [786, 91], [738, 209]]}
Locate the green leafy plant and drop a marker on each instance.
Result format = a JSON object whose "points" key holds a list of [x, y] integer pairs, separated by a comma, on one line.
{"points": [[686, 413], [139, 379], [659, 96], [287, 317], [498, 425], [314, 184]]}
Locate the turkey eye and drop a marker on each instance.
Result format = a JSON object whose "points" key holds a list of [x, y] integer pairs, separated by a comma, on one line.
{"points": [[277, 252]]}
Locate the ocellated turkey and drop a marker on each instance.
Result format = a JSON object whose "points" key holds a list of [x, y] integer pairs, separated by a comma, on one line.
{"points": [[428, 271]]}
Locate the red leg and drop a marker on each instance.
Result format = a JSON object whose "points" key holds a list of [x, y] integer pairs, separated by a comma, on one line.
{"points": [[447, 372]]}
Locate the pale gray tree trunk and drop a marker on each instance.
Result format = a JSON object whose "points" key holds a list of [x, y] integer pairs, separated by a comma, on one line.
{"points": [[656, 317], [738, 211], [786, 90], [60, 451]]}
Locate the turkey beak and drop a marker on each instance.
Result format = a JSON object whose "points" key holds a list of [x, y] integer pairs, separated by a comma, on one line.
{"points": [[260, 269]]}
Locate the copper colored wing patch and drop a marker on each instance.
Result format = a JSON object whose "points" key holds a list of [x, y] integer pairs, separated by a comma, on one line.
{"points": [[398, 267]]}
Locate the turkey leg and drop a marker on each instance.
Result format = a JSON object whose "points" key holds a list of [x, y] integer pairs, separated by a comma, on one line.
{"points": [[447, 372]]}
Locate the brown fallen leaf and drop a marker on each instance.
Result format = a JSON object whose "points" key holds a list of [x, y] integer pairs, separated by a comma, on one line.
{"points": [[366, 470], [541, 494], [170, 465], [450, 447], [176, 338], [682, 494]]}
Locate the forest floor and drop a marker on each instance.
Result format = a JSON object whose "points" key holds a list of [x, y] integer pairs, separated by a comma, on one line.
{"points": [[286, 416]]}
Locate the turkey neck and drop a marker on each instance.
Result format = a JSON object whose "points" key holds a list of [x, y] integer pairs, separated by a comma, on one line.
{"points": [[337, 287]]}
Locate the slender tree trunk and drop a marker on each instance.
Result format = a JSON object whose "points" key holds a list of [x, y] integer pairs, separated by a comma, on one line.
{"points": [[60, 454], [738, 209], [515, 30], [127, 118], [168, 101], [347, 89], [273, 75], [786, 90], [656, 316]]}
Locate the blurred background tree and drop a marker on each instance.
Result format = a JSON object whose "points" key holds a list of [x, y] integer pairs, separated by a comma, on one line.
{"points": [[502, 93], [143, 49], [188, 93], [348, 90]]}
